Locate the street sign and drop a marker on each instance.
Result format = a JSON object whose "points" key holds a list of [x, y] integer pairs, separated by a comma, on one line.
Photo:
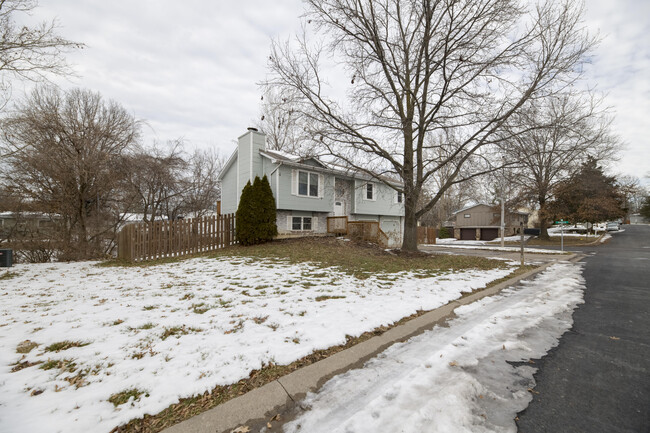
{"points": [[561, 222]]}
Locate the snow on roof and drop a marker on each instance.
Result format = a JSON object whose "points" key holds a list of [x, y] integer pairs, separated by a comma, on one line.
{"points": [[488, 205]]}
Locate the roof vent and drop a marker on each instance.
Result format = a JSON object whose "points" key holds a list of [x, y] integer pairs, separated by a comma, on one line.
{"points": [[250, 128]]}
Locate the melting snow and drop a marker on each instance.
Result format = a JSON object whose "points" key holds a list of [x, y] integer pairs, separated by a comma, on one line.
{"points": [[457, 378]]}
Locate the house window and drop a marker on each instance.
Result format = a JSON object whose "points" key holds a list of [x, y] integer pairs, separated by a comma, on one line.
{"points": [[300, 223], [370, 191], [467, 215], [400, 196], [307, 184]]}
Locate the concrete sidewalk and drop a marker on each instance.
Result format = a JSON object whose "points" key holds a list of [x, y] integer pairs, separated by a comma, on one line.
{"points": [[256, 407]]}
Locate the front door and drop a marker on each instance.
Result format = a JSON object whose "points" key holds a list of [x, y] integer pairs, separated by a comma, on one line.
{"points": [[339, 208]]}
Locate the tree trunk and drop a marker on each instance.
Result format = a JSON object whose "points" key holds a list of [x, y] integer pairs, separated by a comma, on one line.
{"points": [[410, 242], [543, 231]]}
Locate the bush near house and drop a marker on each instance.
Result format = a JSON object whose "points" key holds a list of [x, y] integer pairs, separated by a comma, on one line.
{"points": [[256, 213]]}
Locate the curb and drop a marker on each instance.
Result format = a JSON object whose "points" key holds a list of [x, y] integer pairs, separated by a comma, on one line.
{"points": [[275, 397]]}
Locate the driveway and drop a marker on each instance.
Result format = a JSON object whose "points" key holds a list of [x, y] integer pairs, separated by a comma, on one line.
{"points": [[597, 379]]}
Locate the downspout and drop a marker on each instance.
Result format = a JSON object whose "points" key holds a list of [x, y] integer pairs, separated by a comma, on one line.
{"points": [[277, 186]]}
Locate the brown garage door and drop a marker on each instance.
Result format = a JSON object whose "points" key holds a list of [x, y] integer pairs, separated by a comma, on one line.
{"points": [[468, 234], [489, 234]]}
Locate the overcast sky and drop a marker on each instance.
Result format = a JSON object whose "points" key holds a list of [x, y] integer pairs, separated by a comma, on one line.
{"points": [[191, 68]]}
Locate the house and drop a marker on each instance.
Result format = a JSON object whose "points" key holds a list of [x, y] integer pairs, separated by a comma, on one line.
{"points": [[308, 190], [482, 222]]}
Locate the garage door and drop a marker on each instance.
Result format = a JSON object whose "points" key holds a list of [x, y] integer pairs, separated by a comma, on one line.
{"points": [[468, 234], [489, 234]]}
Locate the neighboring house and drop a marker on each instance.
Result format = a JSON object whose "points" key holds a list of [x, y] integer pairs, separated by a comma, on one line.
{"points": [[637, 218], [307, 191], [483, 221], [25, 223]]}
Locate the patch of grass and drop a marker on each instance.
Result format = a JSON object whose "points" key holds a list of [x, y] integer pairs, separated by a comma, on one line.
{"points": [[326, 297], [26, 346], [200, 308], [124, 396], [147, 325], [19, 365], [62, 364], [260, 319], [361, 260], [117, 322], [187, 297], [177, 331], [65, 345], [8, 275], [149, 307]]}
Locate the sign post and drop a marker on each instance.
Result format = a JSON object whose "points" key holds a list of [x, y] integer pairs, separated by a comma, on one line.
{"points": [[521, 230], [562, 223]]}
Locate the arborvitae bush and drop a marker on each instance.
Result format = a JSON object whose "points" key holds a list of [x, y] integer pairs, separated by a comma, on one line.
{"points": [[256, 213], [245, 217], [268, 226], [443, 233]]}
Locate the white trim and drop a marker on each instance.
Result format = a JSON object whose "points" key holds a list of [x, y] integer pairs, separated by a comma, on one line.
{"points": [[364, 195], [277, 189], [309, 173], [251, 159]]}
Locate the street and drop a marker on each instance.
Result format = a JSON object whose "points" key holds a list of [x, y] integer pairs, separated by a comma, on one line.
{"points": [[597, 379]]}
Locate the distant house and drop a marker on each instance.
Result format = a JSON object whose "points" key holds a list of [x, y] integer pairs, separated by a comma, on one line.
{"points": [[308, 190], [482, 222], [637, 218]]}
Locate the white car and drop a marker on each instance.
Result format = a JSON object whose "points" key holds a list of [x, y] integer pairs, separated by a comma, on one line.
{"points": [[613, 227]]}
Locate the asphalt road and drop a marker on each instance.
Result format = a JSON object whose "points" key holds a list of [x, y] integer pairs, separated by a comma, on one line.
{"points": [[598, 378]]}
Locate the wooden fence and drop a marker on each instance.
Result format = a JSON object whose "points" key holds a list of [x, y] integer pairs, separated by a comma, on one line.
{"points": [[427, 235], [337, 225], [159, 239], [367, 231]]}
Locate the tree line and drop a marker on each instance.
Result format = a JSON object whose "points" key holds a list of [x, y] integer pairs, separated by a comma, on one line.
{"points": [[76, 161]]}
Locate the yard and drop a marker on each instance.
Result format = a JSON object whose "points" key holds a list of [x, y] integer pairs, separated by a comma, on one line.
{"points": [[89, 346]]}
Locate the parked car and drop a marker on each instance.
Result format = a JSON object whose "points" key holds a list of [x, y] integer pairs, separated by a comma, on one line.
{"points": [[613, 226]]}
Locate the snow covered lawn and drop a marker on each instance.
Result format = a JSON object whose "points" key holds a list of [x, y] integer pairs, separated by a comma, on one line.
{"points": [[100, 346], [458, 378]]}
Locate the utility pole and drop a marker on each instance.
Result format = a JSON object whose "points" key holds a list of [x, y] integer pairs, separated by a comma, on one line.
{"points": [[503, 223], [521, 231]]}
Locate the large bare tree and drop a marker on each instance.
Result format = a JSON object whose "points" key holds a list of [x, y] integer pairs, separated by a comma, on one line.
{"points": [[560, 134], [65, 153], [457, 69]]}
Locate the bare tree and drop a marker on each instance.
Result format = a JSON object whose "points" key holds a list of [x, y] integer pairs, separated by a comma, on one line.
{"points": [[29, 53], [281, 122], [165, 182], [65, 154], [457, 68], [153, 177], [560, 134]]}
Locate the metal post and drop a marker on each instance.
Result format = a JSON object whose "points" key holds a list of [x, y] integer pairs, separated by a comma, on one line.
{"points": [[521, 231], [502, 218], [562, 237]]}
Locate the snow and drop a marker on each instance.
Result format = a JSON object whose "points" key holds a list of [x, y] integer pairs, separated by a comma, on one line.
{"points": [[496, 248], [257, 312], [456, 378]]}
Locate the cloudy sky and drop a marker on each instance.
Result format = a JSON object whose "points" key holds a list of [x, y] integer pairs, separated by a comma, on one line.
{"points": [[191, 68]]}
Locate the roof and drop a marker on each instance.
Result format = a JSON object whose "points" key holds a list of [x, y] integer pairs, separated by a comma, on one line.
{"points": [[488, 205]]}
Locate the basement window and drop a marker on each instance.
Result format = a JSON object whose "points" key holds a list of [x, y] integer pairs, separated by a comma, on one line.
{"points": [[300, 223]]}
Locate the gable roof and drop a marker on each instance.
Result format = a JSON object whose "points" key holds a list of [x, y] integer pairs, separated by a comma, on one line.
{"points": [[488, 205]]}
